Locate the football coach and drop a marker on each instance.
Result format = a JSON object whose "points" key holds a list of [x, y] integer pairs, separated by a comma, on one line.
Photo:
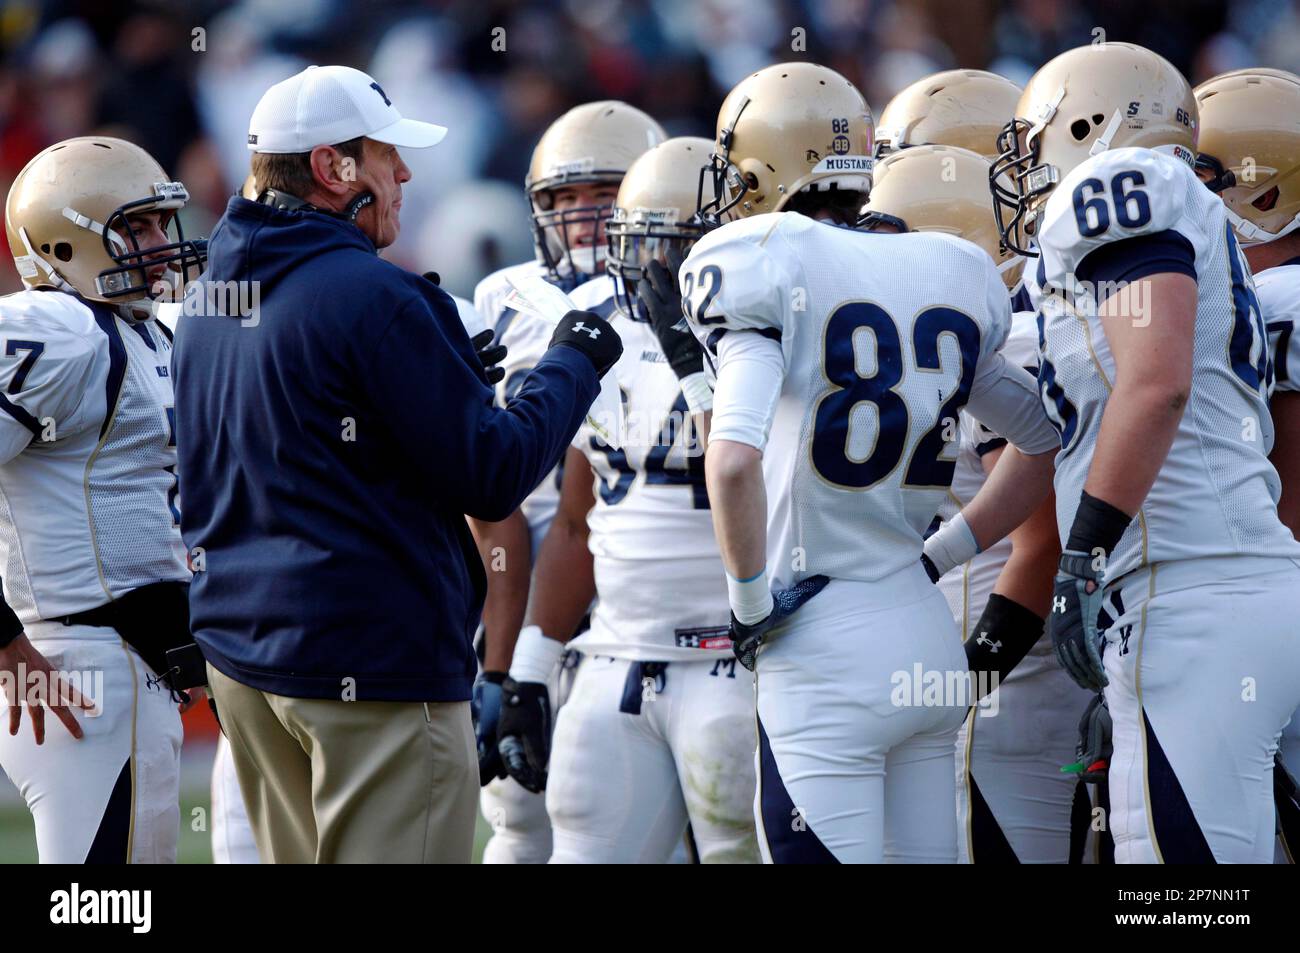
{"points": [[332, 438]]}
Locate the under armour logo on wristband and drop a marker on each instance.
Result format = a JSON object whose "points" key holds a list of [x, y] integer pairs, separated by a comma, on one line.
{"points": [[983, 639], [1058, 603], [592, 333]]}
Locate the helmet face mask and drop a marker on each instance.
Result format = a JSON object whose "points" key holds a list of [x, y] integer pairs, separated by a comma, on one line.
{"points": [[128, 279], [553, 235], [655, 219], [1019, 184]]}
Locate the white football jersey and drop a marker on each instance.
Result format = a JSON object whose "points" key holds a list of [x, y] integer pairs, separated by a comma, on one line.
{"points": [[884, 339], [1216, 494], [526, 340], [88, 494], [1278, 290], [661, 589], [967, 587]]}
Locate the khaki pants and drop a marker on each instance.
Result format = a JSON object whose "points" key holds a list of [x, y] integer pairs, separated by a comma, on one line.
{"points": [[352, 782]]}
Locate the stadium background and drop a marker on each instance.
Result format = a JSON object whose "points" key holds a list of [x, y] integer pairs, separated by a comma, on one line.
{"points": [[181, 79]]}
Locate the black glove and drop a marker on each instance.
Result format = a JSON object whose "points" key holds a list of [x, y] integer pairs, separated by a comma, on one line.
{"points": [[1094, 750], [485, 709], [662, 302], [524, 732], [745, 639], [592, 335], [489, 355], [1076, 601]]}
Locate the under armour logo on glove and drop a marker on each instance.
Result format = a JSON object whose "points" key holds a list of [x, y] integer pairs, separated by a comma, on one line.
{"points": [[1058, 604], [585, 331]]}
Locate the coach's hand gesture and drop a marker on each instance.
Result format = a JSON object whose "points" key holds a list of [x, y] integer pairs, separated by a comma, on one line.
{"points": [[28, 678]]}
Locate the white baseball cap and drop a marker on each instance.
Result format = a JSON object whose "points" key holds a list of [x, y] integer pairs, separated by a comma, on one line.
{"points": [[326, 105]]}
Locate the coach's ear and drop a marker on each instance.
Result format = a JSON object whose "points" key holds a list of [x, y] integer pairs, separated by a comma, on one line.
{"points": [[332, 172]]}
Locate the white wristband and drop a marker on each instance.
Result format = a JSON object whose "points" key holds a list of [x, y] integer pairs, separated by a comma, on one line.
{"points": [[953, 545], [535, 656], [698, 393], [751, 599]]}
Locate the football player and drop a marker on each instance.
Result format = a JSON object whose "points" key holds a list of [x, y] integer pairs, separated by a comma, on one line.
{"points": [[1177, 586], [1250, 155], [656, 730], [1013, 802], [842, 356], [572, 182], [94, 569]]}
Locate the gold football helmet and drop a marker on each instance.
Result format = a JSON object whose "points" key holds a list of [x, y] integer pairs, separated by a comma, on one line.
{"points": [[966, 108], [66, 219], [939, 189], [655, 210], [1085, 101], [594, 142], [1250, 149], [787, 129]]}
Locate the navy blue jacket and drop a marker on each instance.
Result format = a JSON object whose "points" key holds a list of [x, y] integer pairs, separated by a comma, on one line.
{"points": [[330, 447]]}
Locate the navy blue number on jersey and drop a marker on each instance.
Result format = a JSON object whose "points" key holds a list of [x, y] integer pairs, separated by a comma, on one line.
{"points": [[34, 350], [1092, 210], [713, 275], [1279, 335], [676, 432], [1249, 333], [1063, 414], [830, 441]]}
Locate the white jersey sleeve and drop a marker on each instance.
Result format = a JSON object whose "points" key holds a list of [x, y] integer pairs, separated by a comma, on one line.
{"points": [[44, 368], [1216, 493], [1279, 298]]}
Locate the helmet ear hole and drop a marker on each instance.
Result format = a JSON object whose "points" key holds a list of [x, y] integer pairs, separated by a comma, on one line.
{"points": [[1098, 119], [1080, 129], [45, 247], [63, 251], [1266, 201]]}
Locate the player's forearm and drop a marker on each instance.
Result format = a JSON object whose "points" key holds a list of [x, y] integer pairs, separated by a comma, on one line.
{"points": [[702, 422], [1026, 578], [1285, 408], [1137, 430], [565, 581], [504, 548], [1014, 490], [738, 500]]}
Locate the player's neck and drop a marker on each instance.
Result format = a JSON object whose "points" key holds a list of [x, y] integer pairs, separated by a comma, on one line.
{"points": [[1272, 254]]}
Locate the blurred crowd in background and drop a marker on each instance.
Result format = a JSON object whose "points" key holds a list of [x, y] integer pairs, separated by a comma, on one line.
{"points": [[182, 77]]}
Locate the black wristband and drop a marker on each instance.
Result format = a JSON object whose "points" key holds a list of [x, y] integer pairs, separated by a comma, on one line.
{"points": [[1003, 636], [10, 626], [496, 678], [1097, 525]]}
